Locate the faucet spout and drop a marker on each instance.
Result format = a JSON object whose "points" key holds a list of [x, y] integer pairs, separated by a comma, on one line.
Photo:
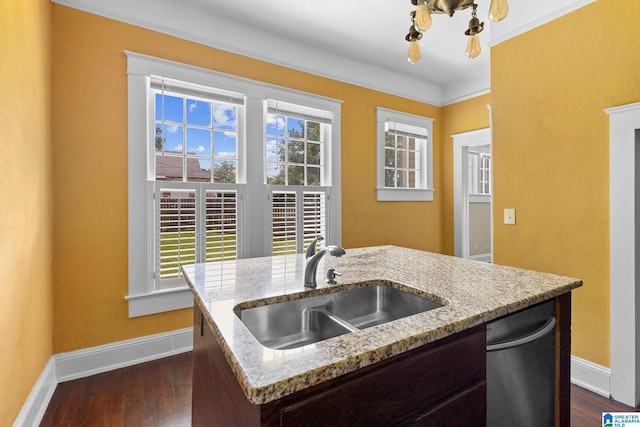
{"points": [[312, 263]]}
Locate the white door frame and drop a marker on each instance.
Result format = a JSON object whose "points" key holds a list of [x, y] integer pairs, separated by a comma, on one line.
{"points": [[624, 172], [461, 144]]}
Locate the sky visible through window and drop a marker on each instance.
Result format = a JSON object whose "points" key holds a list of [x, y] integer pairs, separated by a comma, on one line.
{"points": [[183, 120]]}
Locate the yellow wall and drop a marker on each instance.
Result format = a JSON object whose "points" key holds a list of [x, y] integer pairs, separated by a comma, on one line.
{"points": [[551, 151], [90, 170], [460, 117], [25, 201]]}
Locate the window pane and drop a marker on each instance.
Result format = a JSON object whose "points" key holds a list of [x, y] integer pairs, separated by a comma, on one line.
{"points": [[225, 171], [198, 113], [412, 179], [296, 151], [295, 127], [313, 131], [412, 159], [225, 117], [389, 157], [401, 159], [389, 140], [412, 143], [402, 142], [275, 150], [198, 170], [169, 168], [313, 175], [313, 153], [389, 178], [275, 174], [295, 175], [198, 141], [402, 179], [275, 125], [169, 108], [172, 138], [225, 144]]}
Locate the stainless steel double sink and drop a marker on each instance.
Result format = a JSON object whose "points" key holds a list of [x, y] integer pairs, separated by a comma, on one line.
{"points": [[298, 322]]}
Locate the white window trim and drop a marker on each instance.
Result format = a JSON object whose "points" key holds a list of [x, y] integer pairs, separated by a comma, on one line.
{"points": [[385, 194], [143, 298]]}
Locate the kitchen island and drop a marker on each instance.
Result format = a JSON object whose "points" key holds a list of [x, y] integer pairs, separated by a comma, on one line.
{"points": [[238, 381]]}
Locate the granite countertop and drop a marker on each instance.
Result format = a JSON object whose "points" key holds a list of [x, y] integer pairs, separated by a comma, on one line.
{"points": [[474, 293]]}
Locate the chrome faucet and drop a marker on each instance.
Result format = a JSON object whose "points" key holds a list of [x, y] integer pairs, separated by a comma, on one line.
{"points": [[311, 249], [312, 264]]}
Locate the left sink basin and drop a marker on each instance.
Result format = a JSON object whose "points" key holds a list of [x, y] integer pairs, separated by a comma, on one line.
{"points": [[298, 322]]}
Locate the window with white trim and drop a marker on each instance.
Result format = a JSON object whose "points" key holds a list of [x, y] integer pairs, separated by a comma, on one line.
{"points": [[200, 142], [195, 143], [404, 156], [296, 140]]}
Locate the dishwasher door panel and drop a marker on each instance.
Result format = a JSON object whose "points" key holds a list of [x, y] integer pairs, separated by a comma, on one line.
{"points": [[521, 368]]}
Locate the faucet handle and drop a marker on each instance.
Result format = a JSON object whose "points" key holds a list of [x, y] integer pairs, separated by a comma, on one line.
{"points": [[331, 276], [311, 249]]}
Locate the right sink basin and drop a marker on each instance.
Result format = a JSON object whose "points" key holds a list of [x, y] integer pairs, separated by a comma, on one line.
{"points": [[299, 322]]}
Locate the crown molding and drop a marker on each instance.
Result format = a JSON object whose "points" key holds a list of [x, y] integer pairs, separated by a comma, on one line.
{"points": [[190, 23]]}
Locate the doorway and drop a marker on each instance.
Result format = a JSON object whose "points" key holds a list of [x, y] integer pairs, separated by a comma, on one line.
{"points": [[473, 229], [624, 201]]}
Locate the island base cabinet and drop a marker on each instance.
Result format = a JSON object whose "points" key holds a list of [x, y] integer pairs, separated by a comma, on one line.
{"points": [[442, 383]]}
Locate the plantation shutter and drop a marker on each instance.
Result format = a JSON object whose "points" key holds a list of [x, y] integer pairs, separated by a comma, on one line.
{"points": [[284, 222], [194, 223], [221, 233], [313, 216], [176, 230]]}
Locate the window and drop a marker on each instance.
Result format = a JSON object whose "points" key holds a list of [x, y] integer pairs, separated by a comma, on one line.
{"points": [[296, 142], [404, 156], [200, 143], [479, 174], [196, 132]]}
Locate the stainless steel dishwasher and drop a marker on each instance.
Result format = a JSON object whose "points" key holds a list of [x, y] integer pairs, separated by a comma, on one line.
{"points": [[521, 368]]}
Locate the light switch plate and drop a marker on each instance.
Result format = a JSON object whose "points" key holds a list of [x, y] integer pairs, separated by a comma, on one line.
{"points": [[510, 216]]}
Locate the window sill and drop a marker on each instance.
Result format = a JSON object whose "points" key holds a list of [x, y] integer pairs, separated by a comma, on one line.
{"points": [[404, 195], [159, 301]]}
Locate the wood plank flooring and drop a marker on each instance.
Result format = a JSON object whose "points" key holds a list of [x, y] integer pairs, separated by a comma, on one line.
{"points": [[158, 394]]}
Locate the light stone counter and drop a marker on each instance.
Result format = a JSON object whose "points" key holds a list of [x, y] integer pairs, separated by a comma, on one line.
{"points": [[474, 293]]}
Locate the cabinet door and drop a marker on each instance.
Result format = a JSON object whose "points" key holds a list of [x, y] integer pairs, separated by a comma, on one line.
{"points": [[463, 409], [399, 389]]}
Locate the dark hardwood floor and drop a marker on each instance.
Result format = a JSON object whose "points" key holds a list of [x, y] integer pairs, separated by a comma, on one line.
{"points": [[158, 393]]}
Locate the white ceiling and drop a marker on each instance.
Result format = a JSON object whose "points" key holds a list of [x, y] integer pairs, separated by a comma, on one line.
{"points": [[371, 32], [354, 41]]}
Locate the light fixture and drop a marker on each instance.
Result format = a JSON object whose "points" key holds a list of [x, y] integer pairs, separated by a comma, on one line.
{"points": [[414, 47], [475, 27], [421, 22]]}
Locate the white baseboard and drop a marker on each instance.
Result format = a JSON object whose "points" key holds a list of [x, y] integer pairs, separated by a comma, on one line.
{"points": [[94, 360], [591, 376], [38, 400], [83, 363]]}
